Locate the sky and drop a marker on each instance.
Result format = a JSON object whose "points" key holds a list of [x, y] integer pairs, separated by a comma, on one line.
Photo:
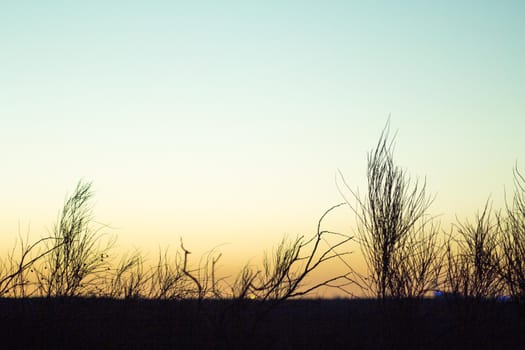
{"points": [[226, 122]]}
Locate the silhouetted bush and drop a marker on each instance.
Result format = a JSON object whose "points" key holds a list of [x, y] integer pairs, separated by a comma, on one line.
{"points": [[513, 240], [397, 237], [473, 258], [76, 258]]}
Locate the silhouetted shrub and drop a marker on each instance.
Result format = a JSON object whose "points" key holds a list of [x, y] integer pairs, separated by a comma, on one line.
{"points": [[398, 240]]}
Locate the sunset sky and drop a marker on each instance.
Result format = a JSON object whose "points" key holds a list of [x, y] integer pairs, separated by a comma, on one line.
{"points": [[225, 122]]}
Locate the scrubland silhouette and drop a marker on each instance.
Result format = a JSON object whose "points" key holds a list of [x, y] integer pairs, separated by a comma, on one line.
{"points": [[68, 291]]}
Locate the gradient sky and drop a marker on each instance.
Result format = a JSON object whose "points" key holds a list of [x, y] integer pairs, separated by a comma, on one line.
{"points": [[226, 121]]}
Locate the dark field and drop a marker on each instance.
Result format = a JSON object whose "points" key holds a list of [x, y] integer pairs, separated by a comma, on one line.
{"points": [[81, 323]]}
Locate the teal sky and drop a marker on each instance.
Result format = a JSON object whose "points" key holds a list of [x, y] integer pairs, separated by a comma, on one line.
{"points": [[226, 121]]}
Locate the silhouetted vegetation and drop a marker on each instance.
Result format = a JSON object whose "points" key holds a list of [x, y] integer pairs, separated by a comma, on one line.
{"points": [[398, 238], [76, 259], [473, 257], [512, 229], [71, 289]]}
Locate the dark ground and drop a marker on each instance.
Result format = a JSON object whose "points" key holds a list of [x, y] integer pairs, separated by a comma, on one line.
{"points": [[80, 323]]}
